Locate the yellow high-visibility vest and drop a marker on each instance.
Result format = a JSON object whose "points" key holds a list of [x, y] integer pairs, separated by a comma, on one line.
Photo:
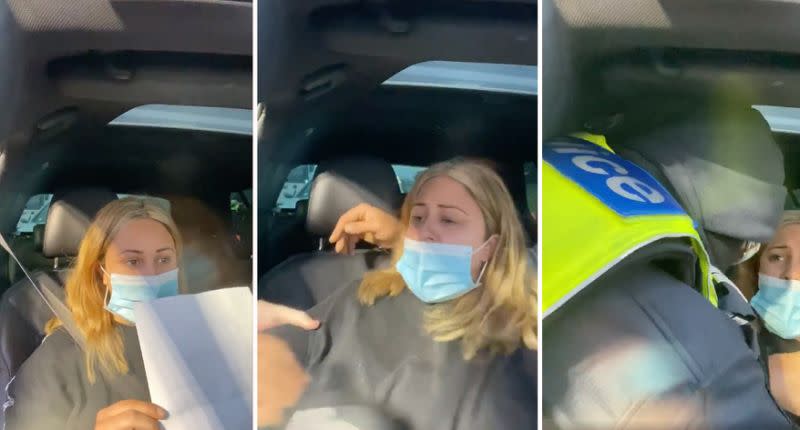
{"points": [[599, 209]]}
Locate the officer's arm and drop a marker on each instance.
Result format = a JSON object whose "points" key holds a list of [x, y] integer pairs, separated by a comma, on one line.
{"points": [[641, 347]]}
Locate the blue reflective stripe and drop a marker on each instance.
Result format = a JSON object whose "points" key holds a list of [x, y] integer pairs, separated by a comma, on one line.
{"points": [[621, 185]]}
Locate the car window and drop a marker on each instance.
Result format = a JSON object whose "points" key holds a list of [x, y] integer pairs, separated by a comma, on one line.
{"points": [[200, 118], [297, 186], [35, 213], [781, 119], [487, 77], [406, 176], [530, 187]]}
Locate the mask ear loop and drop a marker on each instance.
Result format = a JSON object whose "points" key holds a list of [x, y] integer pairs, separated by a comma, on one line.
{"points": [[105, 296], [485, 263], [480, 275]]}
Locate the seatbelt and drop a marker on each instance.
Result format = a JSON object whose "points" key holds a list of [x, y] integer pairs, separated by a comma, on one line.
{"points": [[737, 308], [55, 304]]}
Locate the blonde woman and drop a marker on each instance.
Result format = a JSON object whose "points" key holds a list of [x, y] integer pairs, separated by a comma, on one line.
{"points": [[130, 254], [438, 340], [771, 281]]}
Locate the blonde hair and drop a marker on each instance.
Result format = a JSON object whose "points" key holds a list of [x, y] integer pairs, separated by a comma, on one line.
{"points": [[746, 275], [85, 291], [499, 315]]}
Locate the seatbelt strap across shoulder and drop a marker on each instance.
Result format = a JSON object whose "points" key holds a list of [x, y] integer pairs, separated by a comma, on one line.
{"points": [[55, 304], [736, 307]]}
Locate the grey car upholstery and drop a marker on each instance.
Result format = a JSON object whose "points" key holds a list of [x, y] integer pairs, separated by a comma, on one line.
{"points": [[23, 313], [305, 279], [344, 183], [65, 232], [29, 250], [68, 219], [350, 417]]}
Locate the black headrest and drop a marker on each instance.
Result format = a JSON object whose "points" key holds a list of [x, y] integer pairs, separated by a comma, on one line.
{"points": [[301, 209], [343, 183], [69, 217], [38, 237], [564, 96], [724, 167]]}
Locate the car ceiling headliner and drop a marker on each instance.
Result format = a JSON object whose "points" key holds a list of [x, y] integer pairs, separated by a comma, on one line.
{"points": [[745, 25], [35, 32], [297, 38], [350, 47], [598, 53]]}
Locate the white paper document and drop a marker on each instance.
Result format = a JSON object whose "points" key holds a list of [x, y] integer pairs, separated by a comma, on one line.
{"points": [[198, 355]]}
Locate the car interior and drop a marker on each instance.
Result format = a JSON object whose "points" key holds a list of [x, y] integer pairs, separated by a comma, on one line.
{"points": [[617, 72], [62, 141], [607, 65], [326, 103], [618, 69], [607, 61]]}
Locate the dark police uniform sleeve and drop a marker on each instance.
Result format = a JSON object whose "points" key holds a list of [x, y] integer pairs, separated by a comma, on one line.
{"points": [[639, 347]]}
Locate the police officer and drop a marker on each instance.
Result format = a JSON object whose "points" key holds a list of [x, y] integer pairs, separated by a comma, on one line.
{"points": [[633, 334]]}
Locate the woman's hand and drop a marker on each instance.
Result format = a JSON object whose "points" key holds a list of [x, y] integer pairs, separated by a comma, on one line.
{"points": [[784, 377], [367, 223], [130, 415]]}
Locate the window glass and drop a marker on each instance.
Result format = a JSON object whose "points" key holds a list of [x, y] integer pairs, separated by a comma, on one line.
{"points": [[406, 176], [35, 213], [501, 78], [781, 119], [296, 187], [200, 118]]}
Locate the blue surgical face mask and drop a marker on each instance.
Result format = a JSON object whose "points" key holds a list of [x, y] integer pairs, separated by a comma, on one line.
{"points": [[777, 302], [438, 272], [127, 290]]}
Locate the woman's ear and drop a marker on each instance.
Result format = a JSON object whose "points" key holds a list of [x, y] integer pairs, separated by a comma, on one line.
{"points": [[491, 247], [104, 278]]}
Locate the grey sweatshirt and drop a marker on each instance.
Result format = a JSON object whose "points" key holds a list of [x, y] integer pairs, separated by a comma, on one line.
{"points": [[380, 356], [51, 389]]}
